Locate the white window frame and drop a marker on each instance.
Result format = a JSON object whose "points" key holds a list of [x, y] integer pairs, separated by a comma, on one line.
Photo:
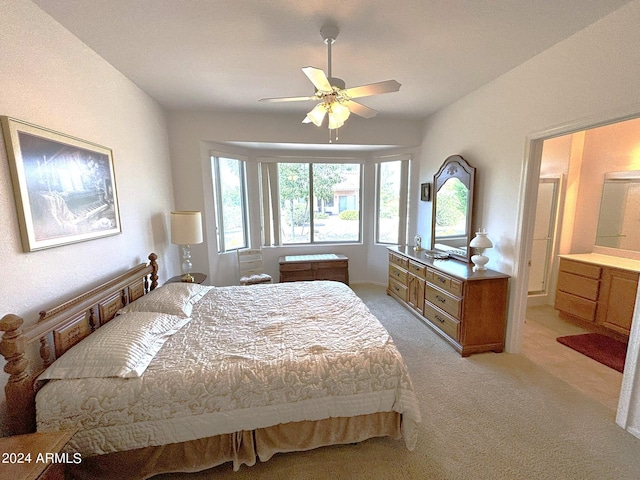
{"points": [[270, 194], [403, 218], [217, 200]]}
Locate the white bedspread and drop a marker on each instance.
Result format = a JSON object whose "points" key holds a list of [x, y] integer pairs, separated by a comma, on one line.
{"points": [[251, 357]]}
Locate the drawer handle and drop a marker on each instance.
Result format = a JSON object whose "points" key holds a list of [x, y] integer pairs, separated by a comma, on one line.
{"points": [[396, 288], [397, 274], [442, 279], [441, 299], [441, 320]]}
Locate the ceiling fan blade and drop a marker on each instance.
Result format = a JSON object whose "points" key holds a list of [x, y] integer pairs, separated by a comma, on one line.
{"points": [[387, 86], [318, 78], [359, 109], [287, 99]]}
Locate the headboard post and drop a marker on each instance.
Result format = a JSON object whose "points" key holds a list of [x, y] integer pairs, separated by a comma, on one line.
{"points": [[154, 270], [19, 388]]}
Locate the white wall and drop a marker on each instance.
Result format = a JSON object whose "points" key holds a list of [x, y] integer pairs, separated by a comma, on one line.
{"points": [[589, 77], [194, 134], [49, 78]]}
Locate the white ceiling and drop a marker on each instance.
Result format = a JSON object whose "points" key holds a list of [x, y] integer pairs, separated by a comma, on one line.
{"points": [[227, 54]]}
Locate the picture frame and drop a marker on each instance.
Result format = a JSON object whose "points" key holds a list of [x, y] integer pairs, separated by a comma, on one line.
{"points": [[64, 187], [425, 192]]}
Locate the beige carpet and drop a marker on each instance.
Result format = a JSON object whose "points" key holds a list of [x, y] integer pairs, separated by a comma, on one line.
{"points": [[489, 416]]}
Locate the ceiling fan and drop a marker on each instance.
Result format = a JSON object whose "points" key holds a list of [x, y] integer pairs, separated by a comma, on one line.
{"points": [[336, 101]]}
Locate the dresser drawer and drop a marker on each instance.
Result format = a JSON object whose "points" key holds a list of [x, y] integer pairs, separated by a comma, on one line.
{"points": [[399, 260], [444, 322], [443, 301], [578, 285], [579, 268], [577, 306], [398, 289], [398, 274], [417, 269], [444, 282]]}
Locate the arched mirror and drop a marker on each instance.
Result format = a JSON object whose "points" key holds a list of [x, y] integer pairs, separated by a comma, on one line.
{"points": [[452, 224]]}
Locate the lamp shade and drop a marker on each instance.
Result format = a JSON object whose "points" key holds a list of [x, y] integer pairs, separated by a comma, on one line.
{"points": [[337, 115], [186, 227], [481, 240], [316, 115]]}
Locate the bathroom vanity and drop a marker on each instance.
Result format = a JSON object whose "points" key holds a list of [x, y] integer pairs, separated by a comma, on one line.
{"points": [[599, 290]]}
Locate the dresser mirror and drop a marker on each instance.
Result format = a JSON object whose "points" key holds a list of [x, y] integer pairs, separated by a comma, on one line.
{"points": [[452, 225], [619, 219]]}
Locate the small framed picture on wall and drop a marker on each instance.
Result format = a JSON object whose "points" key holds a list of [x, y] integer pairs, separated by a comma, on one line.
{"points": [[425, 192]]}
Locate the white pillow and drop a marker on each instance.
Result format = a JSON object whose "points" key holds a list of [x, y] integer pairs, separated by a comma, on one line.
{"points": [[171, 298], [124, 347]]}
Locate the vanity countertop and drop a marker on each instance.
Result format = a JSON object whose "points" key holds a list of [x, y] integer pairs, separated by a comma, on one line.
{"points": [[605, 260]]}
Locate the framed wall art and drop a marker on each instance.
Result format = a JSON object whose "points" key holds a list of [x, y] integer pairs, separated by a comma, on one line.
{"points": [[65, 188], [425, 192]]}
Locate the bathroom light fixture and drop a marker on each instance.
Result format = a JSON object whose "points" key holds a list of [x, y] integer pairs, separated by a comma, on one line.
{"points": [[480, 242], [186, 230]]}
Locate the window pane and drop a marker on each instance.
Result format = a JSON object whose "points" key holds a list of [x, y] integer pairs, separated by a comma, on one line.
{"points": [[389, 201], [232, 204], [336, 192], [293, 184]]}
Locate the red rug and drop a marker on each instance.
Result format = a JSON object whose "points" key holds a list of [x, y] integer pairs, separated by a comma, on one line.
{"points": [[601, 348]]}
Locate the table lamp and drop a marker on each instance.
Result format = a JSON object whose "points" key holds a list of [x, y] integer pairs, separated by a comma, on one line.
{"points": [[186, 230], [480, 242]]}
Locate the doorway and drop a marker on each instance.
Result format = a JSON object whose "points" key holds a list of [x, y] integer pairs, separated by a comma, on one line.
{"points": [[535, 193]]}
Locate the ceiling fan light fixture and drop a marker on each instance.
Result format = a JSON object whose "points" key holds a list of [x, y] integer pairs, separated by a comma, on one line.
{"points": [[316, 116], [336, 101], [338, 114]]}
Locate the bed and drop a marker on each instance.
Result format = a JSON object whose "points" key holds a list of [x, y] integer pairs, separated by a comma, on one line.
{"points": [[185, 377]]}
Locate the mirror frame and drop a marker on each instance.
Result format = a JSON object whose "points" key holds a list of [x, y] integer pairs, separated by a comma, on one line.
{"points": [[455, 167]]}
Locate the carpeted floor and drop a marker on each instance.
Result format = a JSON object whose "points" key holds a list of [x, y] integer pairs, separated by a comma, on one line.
{"points": [[489, 416]]}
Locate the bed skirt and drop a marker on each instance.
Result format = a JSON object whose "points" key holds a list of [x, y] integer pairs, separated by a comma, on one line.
{"points": [[241, 448]]}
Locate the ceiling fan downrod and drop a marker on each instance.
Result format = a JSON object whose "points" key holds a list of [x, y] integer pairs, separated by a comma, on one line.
{"points": [[329, 34]]}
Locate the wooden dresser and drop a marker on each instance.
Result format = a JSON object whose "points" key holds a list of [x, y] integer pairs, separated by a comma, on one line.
{"points": [[466, 308], [598, 290], [329, 266]]}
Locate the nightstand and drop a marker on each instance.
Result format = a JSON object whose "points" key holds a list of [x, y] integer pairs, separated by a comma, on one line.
{"points": [[198, 278], [33, 456]]}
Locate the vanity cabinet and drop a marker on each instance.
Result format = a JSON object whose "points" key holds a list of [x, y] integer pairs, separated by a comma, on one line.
{"points": [[617, 299], [597, 289], [578, 289], [466, 308]]}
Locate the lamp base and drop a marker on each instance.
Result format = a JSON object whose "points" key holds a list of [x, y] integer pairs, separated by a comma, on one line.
{"points": [[479, 262], [186, 264]]}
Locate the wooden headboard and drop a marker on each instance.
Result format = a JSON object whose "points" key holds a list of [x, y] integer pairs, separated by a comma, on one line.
{"points": [[64, 326]]}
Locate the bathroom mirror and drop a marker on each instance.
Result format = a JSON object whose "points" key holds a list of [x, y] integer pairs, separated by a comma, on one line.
{"points": [[619, 219], [452, 224]]}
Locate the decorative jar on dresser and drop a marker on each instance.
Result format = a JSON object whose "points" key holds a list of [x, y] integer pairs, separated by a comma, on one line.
{"points": [[466, 308]]}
